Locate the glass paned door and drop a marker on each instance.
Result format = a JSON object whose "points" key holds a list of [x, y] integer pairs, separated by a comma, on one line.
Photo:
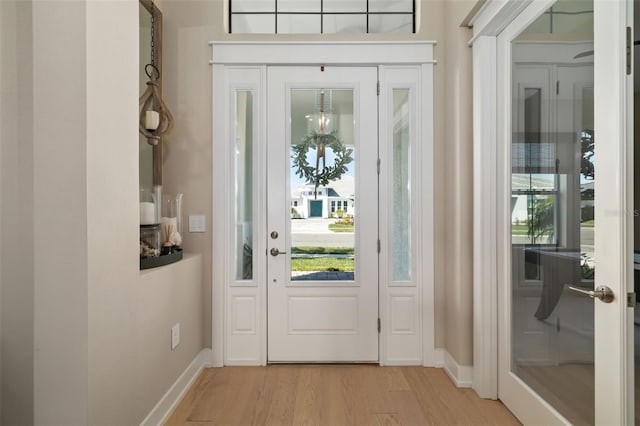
{"points": [[563, 295], [552, 220], [322, 267]]}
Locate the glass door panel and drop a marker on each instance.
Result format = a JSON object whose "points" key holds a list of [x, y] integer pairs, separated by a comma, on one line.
{"points": [[552, 211], [244, 185], [401, 166], [323, 191]]}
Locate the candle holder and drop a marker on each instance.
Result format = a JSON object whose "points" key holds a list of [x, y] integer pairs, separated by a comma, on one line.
{"points": [[149, 207], [155, 117], [150, 245], [171, 223], [160, 242]]}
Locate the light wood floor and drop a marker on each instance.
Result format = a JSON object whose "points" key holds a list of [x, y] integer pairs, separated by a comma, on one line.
{"points": [[333, 396]]}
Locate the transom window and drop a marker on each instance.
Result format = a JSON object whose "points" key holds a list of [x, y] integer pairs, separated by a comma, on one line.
{"points": [[321, 16]]}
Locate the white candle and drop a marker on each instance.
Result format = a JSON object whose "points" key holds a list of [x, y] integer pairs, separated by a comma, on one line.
{"points": [[152, 120], [147, 213]]}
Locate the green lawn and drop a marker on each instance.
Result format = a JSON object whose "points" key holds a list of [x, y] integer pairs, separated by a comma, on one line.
{"points": [[524, 230], [321, 264], [338, 227], [519, 230]]}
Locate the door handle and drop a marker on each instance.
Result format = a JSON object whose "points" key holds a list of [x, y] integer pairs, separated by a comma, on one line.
{"points": [[274, 252], [601, 292]]}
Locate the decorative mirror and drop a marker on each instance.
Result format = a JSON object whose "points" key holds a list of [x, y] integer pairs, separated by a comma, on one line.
{"points": [[150, 155], [160, 214]]}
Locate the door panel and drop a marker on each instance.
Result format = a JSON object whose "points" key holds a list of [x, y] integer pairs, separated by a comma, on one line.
{"points": [[552, 231], [564, 353], [322, 214]]}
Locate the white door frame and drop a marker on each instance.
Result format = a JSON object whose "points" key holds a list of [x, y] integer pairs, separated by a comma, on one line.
{"points": [[491, 176], [251, 59]]}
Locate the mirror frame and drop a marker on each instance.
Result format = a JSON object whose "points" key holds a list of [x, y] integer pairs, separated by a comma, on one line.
{"points": [[157, 149]]}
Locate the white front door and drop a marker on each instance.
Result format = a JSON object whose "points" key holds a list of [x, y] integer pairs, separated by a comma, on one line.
{"points": [[322, 207], [563, 353]]}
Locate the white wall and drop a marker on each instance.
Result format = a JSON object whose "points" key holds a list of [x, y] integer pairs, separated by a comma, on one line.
{"points": [[16, 204], [60, 219], [85, 334], [112, 153], [459, 184]]}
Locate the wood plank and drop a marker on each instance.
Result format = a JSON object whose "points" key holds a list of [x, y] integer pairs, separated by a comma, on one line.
{"points": [[334, 395], [281, 384], [307, 403], [429, 397], [242, 392], [209, 402], [395, 379], [387, 419]]}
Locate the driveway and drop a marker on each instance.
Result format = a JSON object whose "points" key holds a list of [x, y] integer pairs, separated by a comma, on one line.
{"points": [[315, 232]]}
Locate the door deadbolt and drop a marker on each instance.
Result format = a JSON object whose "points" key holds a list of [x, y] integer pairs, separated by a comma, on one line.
{"points": [[274, 235]]}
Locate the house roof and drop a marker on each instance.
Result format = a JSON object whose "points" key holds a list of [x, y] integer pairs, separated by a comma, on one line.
{"points": [[345, 188]]}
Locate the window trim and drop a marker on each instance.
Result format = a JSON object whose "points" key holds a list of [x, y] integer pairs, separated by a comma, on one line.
{"points": [[320, 14]]}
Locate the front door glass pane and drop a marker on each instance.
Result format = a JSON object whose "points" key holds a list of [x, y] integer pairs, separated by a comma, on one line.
{"points": [[244, 185], [401, 209], [552, 199], [322, 185]]}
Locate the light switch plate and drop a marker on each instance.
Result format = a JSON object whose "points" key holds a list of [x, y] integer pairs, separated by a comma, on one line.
{"points": [[175, 336], [197, 223]]}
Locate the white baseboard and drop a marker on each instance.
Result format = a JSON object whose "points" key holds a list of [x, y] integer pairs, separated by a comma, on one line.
{"points": [[438, 357], [461, 375], [399, 362], [243, 362], [159, 414]]}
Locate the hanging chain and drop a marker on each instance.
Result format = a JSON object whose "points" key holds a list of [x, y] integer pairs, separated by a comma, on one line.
{"points": [[153, 34]]}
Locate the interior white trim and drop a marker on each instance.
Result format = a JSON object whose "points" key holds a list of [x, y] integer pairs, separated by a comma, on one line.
{"points": [[161, 411], [427, 223], [461, 375], [494, 16], [615, 192], [630, 172], [322, 53], [485, 280], [438, 358], [231, 55], [218, 226]]}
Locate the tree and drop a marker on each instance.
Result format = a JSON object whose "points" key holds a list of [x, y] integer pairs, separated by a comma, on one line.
{"points": [[588, 150], [542, 218]]}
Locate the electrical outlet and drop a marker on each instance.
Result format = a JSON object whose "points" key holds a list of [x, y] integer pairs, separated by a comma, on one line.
{"points": [[175, 336]]}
